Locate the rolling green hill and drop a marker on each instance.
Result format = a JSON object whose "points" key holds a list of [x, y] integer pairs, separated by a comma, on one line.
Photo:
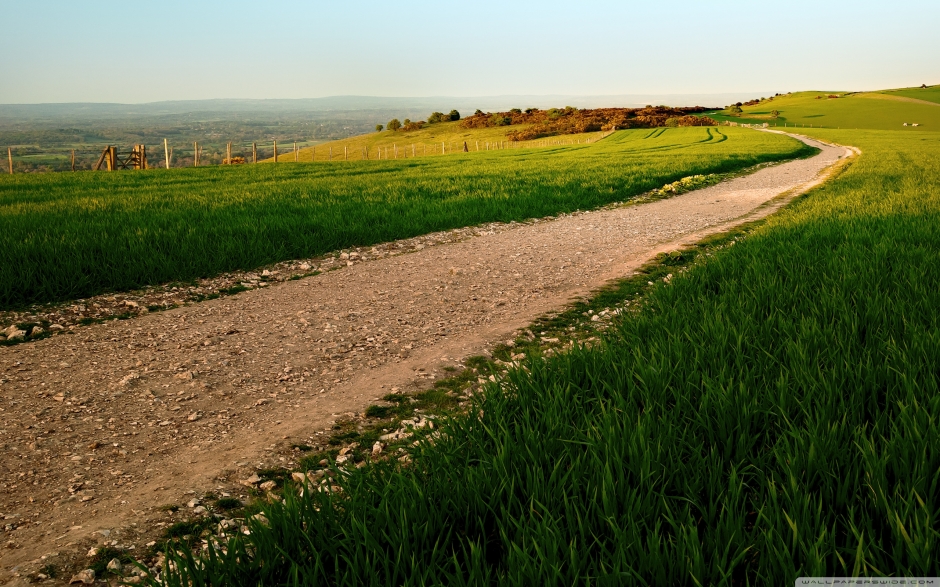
{"points": [[433, 139], [869, 110], [929, 94]]}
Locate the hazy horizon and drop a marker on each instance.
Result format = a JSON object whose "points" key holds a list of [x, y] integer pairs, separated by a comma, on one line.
{"points": [[360, 102], [61, 52]]}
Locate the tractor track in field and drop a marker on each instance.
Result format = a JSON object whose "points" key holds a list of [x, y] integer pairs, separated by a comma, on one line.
{"points": [[102, 426]]}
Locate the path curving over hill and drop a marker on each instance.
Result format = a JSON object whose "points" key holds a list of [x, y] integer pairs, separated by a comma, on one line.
{"points": [[102, 427]]}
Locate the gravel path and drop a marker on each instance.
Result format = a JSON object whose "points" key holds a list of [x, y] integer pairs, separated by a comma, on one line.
{"points": [[102, 426]]}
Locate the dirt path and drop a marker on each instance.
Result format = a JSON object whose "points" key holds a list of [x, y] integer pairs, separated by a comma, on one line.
{"points": [[102, 426]]}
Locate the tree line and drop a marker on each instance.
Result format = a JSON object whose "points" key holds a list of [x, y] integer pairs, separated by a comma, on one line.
{"points": [[409, 125]]}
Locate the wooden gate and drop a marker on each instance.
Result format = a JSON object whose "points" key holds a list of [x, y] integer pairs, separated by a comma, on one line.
{"points": [[136, 160]]}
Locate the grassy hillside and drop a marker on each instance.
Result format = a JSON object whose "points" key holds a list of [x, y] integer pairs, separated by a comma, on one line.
{"points": [[772, 413], [930, 93], [64, 236], [433, 139], [871, 110]]}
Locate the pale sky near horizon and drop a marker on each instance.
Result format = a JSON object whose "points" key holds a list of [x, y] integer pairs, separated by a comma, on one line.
{"points": [[69, 51]]}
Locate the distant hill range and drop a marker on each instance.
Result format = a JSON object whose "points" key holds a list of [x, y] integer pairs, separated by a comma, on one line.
{"points": [[348, 104]]}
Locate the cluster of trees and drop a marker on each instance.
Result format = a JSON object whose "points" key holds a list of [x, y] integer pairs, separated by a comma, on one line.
{"points": [[408, 125], [441, 117], [571, 120], [735, 109]]}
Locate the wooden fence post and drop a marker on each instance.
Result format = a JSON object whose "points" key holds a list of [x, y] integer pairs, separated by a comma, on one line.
{"points": [[112, 158], [166, 152], [443, 148], [331, 154], [345, 153], [254, 152], [10, 158], [228, 153], [395, 148], [413, 150], [275, 150], [195, 154], [73, 159]]}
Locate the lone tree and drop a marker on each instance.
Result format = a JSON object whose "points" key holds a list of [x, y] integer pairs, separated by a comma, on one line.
{"points": [[454, 115], [775, 114], [379, 127], [393, 124]]}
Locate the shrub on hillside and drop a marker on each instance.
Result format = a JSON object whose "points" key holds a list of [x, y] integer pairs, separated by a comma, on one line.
{"points": [[437, 117], [454, 115], [410, 126], [570, 120], [393, 124]]}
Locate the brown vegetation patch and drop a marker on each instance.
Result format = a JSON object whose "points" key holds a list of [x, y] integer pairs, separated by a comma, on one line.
{"points": [[569, 120]]}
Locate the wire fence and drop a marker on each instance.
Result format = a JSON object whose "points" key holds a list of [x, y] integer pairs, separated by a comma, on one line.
{"points": [[34, 159]]}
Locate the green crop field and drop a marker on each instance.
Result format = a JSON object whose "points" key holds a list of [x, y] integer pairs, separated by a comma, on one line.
{"points": [[872, 110], [772, 413], [65, 236]]}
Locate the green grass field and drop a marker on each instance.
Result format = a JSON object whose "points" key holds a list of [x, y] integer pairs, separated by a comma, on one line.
{"points": [[772, 413], [870, 110], [66, 236], [444, 138], [930, 93]]}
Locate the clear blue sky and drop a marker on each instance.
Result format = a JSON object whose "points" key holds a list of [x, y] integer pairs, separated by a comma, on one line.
{"points": [[71, 51]]}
